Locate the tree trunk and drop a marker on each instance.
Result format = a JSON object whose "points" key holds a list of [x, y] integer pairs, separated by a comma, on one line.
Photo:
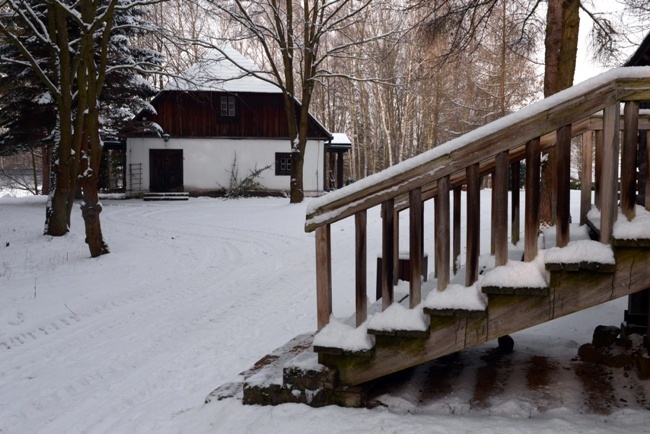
{"points": [[561, 47]]}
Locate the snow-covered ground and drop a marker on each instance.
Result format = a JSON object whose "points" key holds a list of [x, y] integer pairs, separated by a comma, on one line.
{"points": [[196, 292]]}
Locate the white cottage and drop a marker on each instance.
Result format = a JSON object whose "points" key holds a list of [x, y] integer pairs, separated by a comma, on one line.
{"points": [[216, 113]]}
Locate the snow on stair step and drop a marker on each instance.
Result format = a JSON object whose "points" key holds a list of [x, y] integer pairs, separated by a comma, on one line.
{"points": [[581, 255], [522, 278], [456, 300]]}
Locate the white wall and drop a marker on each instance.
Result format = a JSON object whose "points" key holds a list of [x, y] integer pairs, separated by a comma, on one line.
{"points": [[207, 162]]}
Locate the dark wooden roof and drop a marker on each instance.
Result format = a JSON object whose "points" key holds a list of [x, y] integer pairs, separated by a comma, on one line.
{"points": [[641, 56]]}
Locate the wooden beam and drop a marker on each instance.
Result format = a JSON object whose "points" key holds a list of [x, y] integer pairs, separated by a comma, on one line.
{"points": [[531, 222], [628, 158], [515, 217], [442, 232], [415, 247], [563, 186], [500, 210], [586, 172], [361, 254], [609, 173], [387, 252], [456, 248], [598, 169], [473, 246], [395, 246], [323, 276], [647, 162]]}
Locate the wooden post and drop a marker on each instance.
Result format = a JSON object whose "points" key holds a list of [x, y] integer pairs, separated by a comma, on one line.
{"points": [[395, 248], [456, 248], [531, 222], [609, 174], [642, 165], [628, 158], [493, 217], [563, 185], [646, 139], [323, 275], [361, 252], [442, 232], [598, 169], [585, 180], [500, 204], [515, 217], [473, 224], [387, 252], [415, 247]]}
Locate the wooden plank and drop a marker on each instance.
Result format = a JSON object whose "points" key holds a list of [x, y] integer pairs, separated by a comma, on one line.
{"points": [[500, 204], [378, 190], [642, 165], [387, 252], [515, 217], [598, 169], [586, 172], [628, 158], [563, 185], [456, 236], [531, 221], [442, 232], [361, 254], [609, 173], [415, 247], [473, 246], [647, 162], [395, 245], [323, 276]]}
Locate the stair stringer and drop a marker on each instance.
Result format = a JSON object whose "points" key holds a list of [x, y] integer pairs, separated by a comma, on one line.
{"points": [[569, 292]]}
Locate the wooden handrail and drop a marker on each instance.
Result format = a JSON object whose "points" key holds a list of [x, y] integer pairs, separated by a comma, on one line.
{"points": [[492, 149], [536, 120]]}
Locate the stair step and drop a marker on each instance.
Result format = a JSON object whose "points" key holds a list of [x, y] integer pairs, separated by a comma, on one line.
{"points": [[504, 290], [599, 257], [458, 313], [343, 352], [598, 267], [401, 333], [166, 196]]}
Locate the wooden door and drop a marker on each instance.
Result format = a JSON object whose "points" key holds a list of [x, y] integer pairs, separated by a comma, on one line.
{"points": [[165, 170]]}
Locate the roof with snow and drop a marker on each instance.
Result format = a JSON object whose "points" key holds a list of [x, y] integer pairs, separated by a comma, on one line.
{"points": [[340, 141], [224, 70]]}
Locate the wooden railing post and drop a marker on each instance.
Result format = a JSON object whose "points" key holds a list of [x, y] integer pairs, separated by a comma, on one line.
{"points": [[473, 224], [628, 158], [361, 299], [514, 203], [456, 236], [500, 204], [323, 275], [642, 163], [563, 185], [598, 169], [387, 252], [395, 247], [442, 232], [609, 172], [531, 222], [586, 172], [646, 139], [415, 247]]}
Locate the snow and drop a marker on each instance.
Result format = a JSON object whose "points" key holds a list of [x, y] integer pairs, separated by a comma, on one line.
{"points": [[339, 335], [457, 296], [196, 292], [637, 228], [398, 317], [581, 251], [224, 71]]}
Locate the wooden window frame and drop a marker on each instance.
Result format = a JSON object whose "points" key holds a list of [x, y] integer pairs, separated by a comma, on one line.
{"points": [[228, 107], [283, 164]]}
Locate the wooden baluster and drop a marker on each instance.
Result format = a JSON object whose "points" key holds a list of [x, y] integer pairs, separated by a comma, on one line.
{"points": [[493, 218], [361, 252], [531, 222], [323, 275], [598, 169], [500, 208], [442, 232], [473, 224], [415, 247], [609, 172], [456, 248], [387, 252], [628, 158], [585, 180], [642, 164], [396, 248], [515, 217], [563, 192], [646, 139]]}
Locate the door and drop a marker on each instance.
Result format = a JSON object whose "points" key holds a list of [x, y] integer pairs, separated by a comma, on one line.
{"points": [[165, 170]]}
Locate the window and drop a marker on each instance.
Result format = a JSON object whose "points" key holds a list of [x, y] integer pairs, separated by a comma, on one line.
{"points": [[282, 163], [228, 107]]}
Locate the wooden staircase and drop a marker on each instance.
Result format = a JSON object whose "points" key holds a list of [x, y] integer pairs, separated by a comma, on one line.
{"points": [[556, 282]]}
